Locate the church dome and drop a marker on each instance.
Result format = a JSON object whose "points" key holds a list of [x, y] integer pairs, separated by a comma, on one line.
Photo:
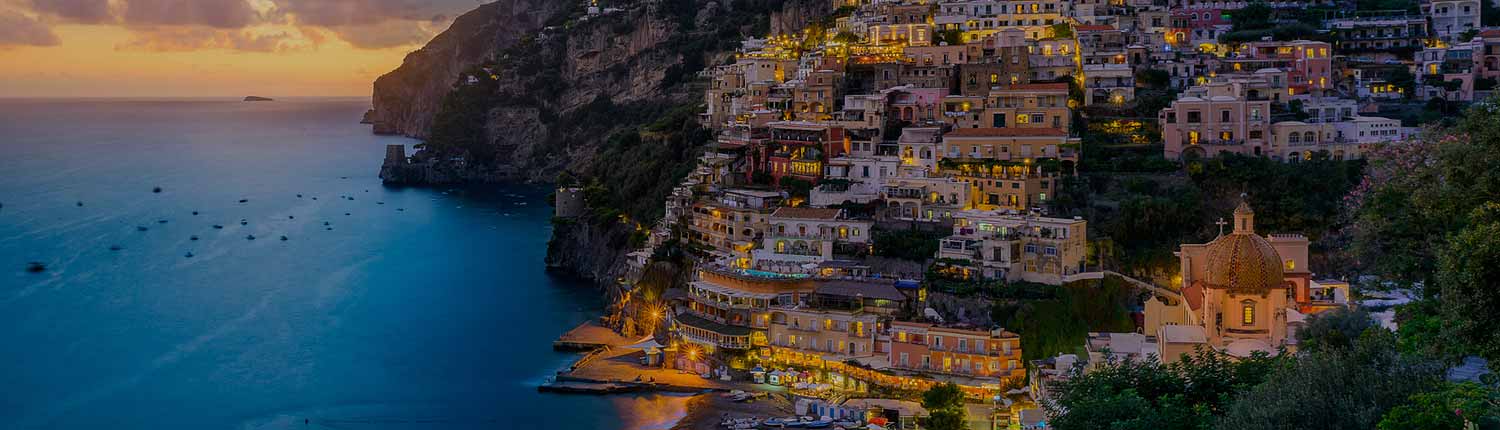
{"points": [[1243, 260]]}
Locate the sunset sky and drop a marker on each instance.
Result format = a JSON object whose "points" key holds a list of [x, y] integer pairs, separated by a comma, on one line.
{"points": [[210, 48]]}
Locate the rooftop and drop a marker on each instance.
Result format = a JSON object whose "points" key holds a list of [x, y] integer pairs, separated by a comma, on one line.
{"points": [[807, 213], [1007, 132], [873, 290]]}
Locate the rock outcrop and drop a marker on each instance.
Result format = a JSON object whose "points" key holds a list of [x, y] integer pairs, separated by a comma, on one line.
{"points": [[407, 98], [589, 251]]}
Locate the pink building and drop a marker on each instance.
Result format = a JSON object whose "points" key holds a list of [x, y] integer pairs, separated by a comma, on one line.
{"points": [[1215, 118], [1309, 64]]}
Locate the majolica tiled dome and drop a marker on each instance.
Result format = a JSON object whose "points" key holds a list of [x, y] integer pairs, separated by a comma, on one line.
{"points": [[1243, 260]]}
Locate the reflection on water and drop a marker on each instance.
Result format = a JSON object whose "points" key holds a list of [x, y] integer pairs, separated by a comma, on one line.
{"points": [[651, 412]]}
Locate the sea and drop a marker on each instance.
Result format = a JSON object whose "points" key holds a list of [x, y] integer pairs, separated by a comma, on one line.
{"points": [[170, 299]]}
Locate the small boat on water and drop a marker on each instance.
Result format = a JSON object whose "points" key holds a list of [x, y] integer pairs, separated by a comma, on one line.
{"points": [[115, 247], [36, 267], [283, 238], [141, 228], [218, 227], [249, 237], [188, 255], [823, 422], [788, 422], [244, 200], [194, 237]]}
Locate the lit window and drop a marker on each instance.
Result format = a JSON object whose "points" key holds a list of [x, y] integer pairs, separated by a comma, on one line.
{"points": [[1249, 313]]}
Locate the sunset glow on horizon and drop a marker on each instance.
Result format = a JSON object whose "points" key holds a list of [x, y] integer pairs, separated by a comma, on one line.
{"points": [[210, 48]]}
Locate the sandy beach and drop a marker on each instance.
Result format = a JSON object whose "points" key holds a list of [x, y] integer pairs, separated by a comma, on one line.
{"points": [[706, 411]]}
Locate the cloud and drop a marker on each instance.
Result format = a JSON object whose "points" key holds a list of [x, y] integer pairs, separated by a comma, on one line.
{"points": [[250, 25], [210, 13], [76, 11], [183, 39], [337, 13], [388, 34], [20, 30]]}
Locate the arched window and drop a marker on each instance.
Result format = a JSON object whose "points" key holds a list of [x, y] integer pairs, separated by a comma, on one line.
{"points": [[781, 246], [1248, 312], [1309, 137], [1291, 265], [1294, 138]]}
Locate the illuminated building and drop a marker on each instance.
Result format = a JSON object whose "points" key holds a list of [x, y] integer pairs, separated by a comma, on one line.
{"points": [[1241, 293], [1214, 118], [799, 236], [958, 350], [1014, 247], [731, 226], [799, 149]]}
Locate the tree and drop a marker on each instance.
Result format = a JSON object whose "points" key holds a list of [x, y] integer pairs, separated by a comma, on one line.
{"points": [[1334, 389], [1148, 395], [1447, 409], [945, 407], [1468, 268], [1255, 16], [1335, 329]]}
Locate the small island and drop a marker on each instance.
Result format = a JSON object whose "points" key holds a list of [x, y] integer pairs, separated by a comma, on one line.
{"points": [[258, 99]]}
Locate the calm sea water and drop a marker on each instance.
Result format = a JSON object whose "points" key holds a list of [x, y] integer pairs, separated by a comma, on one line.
{"points": [[420, 308]]}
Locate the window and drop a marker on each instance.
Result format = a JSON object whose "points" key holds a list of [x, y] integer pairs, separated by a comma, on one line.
{"points": [[1248, 309], [1224, 116], [1194, 117]]}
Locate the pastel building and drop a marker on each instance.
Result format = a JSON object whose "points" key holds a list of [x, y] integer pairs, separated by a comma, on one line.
{"points": [[727, 309], [1014, 247], [966, 351], [1242, 293], [799, 236], [1210, 119]]}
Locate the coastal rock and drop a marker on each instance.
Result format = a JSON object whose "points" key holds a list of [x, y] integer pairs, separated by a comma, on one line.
{"points": [[582, 249]]}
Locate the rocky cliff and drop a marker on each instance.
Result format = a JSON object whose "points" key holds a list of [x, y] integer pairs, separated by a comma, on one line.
{"points": [[406, 98], [565, 80], [606, 97]]}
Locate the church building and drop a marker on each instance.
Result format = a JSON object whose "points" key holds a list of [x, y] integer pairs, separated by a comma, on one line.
{"points": [[1240, 293]]}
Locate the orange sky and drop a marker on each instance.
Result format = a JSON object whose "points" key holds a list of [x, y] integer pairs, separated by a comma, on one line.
{"points": [[269, 50]]}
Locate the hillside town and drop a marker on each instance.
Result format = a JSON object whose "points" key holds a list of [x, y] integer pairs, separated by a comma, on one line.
{"points": [[948, 130]]}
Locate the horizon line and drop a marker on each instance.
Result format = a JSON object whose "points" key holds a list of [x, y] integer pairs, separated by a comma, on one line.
{"points": [[209, 97]]}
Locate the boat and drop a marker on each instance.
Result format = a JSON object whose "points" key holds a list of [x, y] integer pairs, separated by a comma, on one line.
{"points": [[141, 228], [194, 237], [115, 247], [36, 267], [218, 227], [258, 99], [249, 237], [244, 200], [823, 422]]}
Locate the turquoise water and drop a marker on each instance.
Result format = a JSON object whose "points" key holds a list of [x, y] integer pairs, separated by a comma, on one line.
{"points": [[411, 308]]}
